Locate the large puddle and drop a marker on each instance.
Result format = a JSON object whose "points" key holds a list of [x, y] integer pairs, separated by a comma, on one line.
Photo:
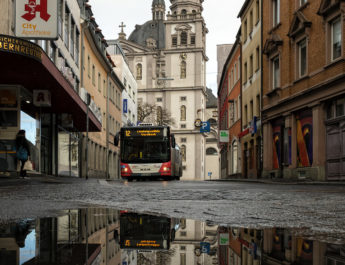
{"points": [[106, 236]]}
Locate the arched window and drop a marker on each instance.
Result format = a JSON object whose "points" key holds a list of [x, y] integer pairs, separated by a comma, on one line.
{"points": [[183, 113], [183, 70], [159, 115], [139, 71], [212, 122], [211, 151], [183, 152], [183, 13], [184, 37]]}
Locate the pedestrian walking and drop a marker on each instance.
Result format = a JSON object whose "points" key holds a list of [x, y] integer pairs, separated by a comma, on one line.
{"points": [[22, 151]]}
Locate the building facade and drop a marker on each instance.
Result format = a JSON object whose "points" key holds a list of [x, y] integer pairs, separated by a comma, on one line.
{"points": [[100, 156], [130, 92], [212, 151], [231, 82], [167, 57], [36, 85], [251, 143], [303, 84]]}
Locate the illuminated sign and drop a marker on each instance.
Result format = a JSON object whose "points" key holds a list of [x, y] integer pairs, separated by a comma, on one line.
{"points": [[143, 132], [19, 46], [143, 244], [37, 19]]}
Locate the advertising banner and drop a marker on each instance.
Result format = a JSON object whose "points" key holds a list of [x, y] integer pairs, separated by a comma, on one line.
{"points": [[37, 19]]}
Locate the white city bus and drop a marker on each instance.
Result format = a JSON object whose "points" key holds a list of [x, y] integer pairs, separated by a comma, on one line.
{"points": [[149, 152]]}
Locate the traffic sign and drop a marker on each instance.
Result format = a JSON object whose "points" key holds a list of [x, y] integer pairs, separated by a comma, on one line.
{"points": [[205, 127], [205, 247]]}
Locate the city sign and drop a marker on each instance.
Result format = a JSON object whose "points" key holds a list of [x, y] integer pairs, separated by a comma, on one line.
{"points": [[205, 127], [125, 104], [197, 123], [37, 19], [205, 247], [224, 239], [224, 136]]}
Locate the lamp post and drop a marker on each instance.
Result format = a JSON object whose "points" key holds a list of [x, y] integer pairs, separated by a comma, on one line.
{"points": [[88, 101]]}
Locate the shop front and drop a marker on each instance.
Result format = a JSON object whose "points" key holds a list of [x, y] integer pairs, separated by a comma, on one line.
{"points": [[30, 83], [251, 145]]}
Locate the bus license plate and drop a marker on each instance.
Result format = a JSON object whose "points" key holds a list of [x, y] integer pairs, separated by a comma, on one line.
{"points": [[145, 174]]}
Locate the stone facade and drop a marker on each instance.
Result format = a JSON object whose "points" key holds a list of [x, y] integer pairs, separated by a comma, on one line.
{"points": [[251, 143], [168, 58]]}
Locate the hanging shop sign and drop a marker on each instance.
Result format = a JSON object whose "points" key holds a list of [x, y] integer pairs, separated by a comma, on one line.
{"points": [[42, 98], [37, 19], [19, 46], [224, 136]]}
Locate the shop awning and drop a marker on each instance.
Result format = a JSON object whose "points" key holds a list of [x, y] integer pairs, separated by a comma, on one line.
{"points": [[24, 63]]}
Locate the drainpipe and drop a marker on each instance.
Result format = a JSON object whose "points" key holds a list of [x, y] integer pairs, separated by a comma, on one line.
{"points": [[107, 128]]}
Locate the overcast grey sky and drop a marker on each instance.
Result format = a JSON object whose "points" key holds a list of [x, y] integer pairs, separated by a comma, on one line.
{"points": [[220, 17]]}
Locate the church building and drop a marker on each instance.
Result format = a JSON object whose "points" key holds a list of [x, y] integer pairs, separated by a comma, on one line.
{"points": [[167, 57]]}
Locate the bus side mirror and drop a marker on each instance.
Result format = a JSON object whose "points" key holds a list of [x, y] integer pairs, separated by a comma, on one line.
{"points": [[116, 139], [173, 141]]}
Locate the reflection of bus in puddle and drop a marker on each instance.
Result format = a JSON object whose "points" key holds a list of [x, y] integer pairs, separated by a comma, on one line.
{"points": [[146, 232]]}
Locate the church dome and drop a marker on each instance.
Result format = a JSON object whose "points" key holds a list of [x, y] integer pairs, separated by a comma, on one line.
{"points": [[153, 30]]}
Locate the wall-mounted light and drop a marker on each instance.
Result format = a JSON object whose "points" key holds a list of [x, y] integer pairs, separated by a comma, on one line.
{"points": [[28, 101]]}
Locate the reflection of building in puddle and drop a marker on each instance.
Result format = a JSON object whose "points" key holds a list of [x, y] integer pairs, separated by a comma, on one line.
{"points": [[62, 240], [195, 243], [276, 246]]}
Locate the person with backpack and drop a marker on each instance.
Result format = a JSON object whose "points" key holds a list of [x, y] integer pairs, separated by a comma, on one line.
{"points": [[22, 151]]}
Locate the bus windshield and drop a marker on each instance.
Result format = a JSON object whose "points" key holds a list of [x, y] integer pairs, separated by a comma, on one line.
{"points": [[145, 150]]}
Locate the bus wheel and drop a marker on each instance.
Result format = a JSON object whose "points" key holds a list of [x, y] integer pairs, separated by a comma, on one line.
{"points": [[130, 179]]}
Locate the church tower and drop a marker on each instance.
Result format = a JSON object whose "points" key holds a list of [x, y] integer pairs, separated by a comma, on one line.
{"points": [[158, 10], [185, 44], [167, 56]]}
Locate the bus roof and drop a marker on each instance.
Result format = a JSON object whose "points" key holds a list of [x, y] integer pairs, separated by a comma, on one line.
{"points": [[144, 127]]}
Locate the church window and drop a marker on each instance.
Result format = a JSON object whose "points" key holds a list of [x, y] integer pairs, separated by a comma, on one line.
{"points": [[139, 71], [183, 113], [174, 41], [183, 38], [192, 40], [211, 151], [183, 69], [183, 152], [183, 14]]}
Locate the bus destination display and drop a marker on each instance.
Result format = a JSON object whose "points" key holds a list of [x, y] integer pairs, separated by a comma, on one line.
{"points": [[144, 133]]}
